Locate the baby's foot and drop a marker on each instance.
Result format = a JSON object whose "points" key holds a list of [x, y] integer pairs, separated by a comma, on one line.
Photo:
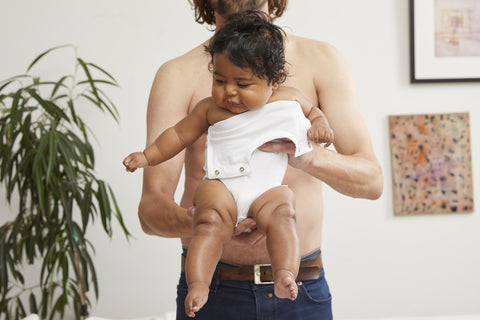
{"points": [[196, 298], [285, 285]]}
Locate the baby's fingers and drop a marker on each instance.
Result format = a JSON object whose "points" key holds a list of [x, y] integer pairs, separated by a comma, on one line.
{"points": [[321, 136], [129, 163]]}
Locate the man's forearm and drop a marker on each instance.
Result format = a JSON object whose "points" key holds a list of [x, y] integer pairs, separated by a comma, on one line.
{"points": [[352, 175], [161, 216]]}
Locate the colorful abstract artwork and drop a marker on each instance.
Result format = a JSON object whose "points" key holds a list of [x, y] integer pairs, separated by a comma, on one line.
{"points": [[457, 28], [431, 163], [444, 40]]}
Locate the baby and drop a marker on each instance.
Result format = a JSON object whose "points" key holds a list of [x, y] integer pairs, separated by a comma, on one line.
{"points": [[248, 108]]}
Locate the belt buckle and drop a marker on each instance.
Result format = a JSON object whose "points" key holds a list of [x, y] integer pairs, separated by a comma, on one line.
{"points": [[257, 274]]}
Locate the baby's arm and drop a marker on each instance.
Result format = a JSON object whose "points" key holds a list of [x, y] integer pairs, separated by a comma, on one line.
{"points": [[172, 140], [320, 131]]}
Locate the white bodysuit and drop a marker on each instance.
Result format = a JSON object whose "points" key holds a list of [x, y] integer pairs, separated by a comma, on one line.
{"points": [[233, 157]]}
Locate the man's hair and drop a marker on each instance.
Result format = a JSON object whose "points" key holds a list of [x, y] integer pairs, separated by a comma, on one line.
{"points": [[205, 9], [249, 40]]}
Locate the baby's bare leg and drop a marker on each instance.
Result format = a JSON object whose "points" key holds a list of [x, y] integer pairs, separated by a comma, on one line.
{"points": [[275, 216], [214, 219]]}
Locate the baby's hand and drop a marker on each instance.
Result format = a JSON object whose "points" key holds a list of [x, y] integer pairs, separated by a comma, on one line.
{"points": [[134, 161], [320, 134]]}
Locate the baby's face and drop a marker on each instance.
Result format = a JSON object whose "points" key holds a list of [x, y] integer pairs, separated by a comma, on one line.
{"points": [[238, 89]]}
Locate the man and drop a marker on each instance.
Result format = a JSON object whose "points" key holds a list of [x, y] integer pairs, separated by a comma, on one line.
{"points": [[319, 71]]}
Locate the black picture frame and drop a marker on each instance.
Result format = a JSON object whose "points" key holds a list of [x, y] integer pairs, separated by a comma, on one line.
{"points": [[425, 64]]}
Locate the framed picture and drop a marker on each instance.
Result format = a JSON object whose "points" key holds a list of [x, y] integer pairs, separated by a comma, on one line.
{"points": [[444, 40], [431, 163]]}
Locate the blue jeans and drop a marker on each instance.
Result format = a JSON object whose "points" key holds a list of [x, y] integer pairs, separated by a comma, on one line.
{"points": [[244, 300]]}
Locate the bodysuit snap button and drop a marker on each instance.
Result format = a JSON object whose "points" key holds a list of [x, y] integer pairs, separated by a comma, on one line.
{"points": [[217, 172], [242, 169]]}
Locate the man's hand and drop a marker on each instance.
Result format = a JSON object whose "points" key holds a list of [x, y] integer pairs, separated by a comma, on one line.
{"points": [[247, 225], [191, 211], [299, 162], [246, 231]]}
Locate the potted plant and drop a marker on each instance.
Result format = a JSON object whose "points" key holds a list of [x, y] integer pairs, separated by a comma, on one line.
{"points": [[47, 173]]}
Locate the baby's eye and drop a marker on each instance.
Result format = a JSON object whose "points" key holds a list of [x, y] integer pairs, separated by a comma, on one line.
{"points": [[218, 81], [243, 85]]}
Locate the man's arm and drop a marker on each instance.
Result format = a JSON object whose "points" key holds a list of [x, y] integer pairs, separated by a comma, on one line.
{"points": [[158, 212], [352, 169]]}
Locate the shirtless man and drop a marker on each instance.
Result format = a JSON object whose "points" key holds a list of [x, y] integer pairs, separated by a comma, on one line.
{"points": [[320, 72]]}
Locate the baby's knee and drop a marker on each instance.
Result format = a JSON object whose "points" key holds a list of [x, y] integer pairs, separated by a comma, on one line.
{"points": [[285, 203], [212, 222], [280, 215], [210, 217], [285, 211]]}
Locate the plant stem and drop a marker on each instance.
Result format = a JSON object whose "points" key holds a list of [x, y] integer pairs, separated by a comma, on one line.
{"points": [[80, 285]]}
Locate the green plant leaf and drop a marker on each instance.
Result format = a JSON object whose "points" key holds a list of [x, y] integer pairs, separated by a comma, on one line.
{"points": [[94, 81], [33, 304], [65, 271], [20, 308], [67, 155], [40, 56], [39, 172], [4, 303], [36, 84], [104, 72], [47, 265], [71, 106], [44, 303], [3, 263], [100, 103], [52, 154], [15, 110], [118, 213], [93, 272], [59, 307], [90, 80], [86, 205], [84, 149], [50, 107], [16, 79], [109, 105], [104, 205], [59, 84]]}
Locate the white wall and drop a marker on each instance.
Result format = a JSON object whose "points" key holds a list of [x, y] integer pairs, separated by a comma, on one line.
{"points": [[376, 264]]}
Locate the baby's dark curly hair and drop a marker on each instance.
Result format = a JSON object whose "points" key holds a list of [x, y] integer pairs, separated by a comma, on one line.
{"points": [[249, 40]]}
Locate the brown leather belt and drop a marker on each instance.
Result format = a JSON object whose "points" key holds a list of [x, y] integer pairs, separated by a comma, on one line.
{"points": [[262, 273]]}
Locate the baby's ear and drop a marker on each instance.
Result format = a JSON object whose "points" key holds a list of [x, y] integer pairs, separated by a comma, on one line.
{"points": [[282, 76]]}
